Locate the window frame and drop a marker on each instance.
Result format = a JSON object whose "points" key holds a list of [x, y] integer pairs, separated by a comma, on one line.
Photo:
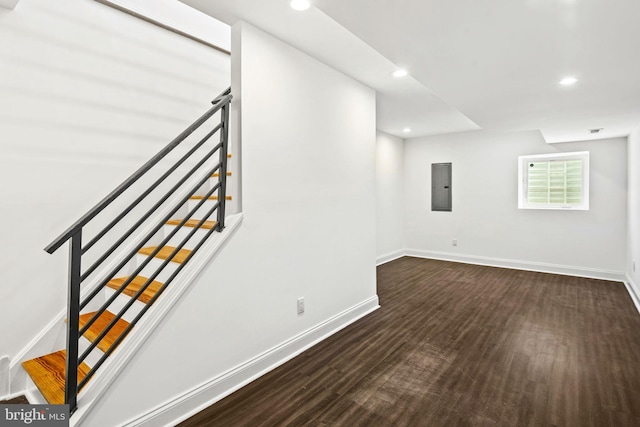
{"points": [[523, 181]]}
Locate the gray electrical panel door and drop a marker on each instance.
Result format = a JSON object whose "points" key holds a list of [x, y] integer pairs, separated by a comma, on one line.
{"points": [[441, 187]]}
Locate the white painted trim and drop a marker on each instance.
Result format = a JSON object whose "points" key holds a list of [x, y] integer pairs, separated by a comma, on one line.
{"points": [[179, 18], [19, 394], [383, 259], [36, 347], [591, 273], [634, 291], [9, 4], [150, 321], [5, 379], [33, 395], [192, 402]]}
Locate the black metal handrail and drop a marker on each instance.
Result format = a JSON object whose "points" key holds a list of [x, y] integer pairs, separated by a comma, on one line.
{"points": [[221, 100], [77, 250]]}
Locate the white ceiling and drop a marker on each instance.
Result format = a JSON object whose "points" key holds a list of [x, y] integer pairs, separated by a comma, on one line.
{"points": [[474, 64]]}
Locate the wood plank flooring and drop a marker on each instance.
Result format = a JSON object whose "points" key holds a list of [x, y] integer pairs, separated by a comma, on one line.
{"points": [[100, 325], [134, 287], [461, 345], [165, 252], [20, 400], [207, 225]]}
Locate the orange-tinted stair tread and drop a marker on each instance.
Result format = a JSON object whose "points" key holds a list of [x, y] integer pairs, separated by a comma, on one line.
{"points": [[210, 197], [48, 373], [100, 325], [215, 175], [192, 223], [135, 285], [166, 252]]}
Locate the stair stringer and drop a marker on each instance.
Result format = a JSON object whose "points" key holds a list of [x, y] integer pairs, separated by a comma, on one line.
{"points": [[109, 371], [53, 336]]}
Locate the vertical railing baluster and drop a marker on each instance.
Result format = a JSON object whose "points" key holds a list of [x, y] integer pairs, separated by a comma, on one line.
{"points": [[74, 234], [224, 139], [73, 322]]}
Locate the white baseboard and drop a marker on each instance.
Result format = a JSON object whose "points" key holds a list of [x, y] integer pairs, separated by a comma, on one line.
{"points": [[203, 396], [634, 291], [591, 273], [383, 259]]}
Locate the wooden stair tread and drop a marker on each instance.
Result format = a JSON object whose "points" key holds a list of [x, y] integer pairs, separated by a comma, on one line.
{"points": [[48, 374], [193, 222], [100, 325], [165, 253], [210, 197], [135, 285], [217, 174]]}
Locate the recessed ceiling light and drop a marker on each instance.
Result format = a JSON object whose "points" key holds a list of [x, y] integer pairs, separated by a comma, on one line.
{"points": [[568, 81], [400, 73], [300, 4], [406, 130]]}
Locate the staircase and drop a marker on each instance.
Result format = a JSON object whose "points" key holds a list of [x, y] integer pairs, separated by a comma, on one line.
{"points": [[137, 246]]}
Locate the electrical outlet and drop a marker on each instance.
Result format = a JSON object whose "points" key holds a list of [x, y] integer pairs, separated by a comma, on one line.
{"points": [[455, 242], [301, 305]]}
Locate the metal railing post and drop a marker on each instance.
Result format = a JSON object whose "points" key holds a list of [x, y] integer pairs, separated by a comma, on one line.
{"points": [[74, 235], [73, 322], [224, 140]]}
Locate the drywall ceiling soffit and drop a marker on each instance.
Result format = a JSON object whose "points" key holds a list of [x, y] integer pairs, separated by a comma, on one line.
{"points": [[400, 102], [178, 17], [474, 64], [500, 62]]}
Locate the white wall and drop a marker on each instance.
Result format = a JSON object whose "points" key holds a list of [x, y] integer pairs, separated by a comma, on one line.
{"points": [[633, 239], [88, 95], [308, 160], [389, 196], [181, 18], [486, 220]]}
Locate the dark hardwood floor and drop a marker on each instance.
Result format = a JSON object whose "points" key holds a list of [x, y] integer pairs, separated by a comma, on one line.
{"points": [[15, 401], [461, 345]]}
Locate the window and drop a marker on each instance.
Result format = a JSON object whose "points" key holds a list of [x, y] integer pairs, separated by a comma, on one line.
{"points": [[554, 181]]}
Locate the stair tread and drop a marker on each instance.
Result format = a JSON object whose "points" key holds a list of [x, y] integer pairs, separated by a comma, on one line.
{"points": [[217, 174], [48, 374], [210, 197], [100, 325], [135, 285], [165, 253], [193, 222]]}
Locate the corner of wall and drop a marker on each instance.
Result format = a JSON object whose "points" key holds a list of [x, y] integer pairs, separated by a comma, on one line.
{"points": [[390, 256], [634, 291], [633, 208], [389, 196]]}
